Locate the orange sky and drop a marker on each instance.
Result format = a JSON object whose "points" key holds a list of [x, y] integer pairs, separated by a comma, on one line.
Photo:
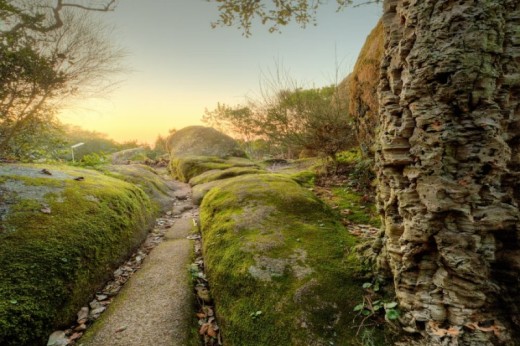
{"points": [[181, 66]]}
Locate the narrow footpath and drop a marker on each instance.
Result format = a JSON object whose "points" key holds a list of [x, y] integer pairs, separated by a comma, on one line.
{"points": [[154, 307]]}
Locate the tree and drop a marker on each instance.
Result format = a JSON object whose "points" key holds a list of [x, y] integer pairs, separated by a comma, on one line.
{"points": [[448, 162], [291, 120], [312, 119], [48, 53]]}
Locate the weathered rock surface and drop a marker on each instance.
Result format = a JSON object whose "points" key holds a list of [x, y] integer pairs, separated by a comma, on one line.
{"points": [[159, 189], [360, 89], [187, 167], [219, 174], [449, 166], [128, 156], [202, 141], [279, 265], [59, 240]]}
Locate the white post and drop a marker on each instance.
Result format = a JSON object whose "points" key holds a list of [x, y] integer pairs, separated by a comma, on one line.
{"points": [[72, 149]]}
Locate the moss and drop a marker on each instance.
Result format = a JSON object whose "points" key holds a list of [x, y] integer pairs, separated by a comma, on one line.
{"points": [[360, 211], [185, 168], [146, 178], [51, 263], [223, 174], [304, 178], [272, 246]]}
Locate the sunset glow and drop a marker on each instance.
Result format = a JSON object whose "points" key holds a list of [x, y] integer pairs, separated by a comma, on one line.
{"points": [[180, 66]]}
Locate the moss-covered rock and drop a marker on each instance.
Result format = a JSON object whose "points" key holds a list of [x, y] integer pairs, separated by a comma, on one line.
{"points": [[186, 167], [128, 156], [60, 239], [218, 174], [202, 141], [147, 178], [281, 266]]}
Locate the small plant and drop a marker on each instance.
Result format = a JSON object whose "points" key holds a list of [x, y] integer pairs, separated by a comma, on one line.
{"points": [[371, 307], [93, 159], [255, 315]]}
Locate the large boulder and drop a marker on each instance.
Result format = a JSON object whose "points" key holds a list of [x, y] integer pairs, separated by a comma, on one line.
{"points": [[202, 141], [128, 156], [63, 231], [197, 149], [281, 267]]}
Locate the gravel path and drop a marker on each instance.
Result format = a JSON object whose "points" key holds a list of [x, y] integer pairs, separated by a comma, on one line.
{"points": [[154, 307]]}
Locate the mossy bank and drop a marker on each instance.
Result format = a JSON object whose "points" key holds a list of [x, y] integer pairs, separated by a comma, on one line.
{"points": [[281, 267], [60, 238]]}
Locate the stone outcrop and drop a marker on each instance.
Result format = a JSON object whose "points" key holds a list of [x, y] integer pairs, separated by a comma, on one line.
{"points": [[360, 89], [449, 167], [62, 232], [202, 141], [282, 270]]}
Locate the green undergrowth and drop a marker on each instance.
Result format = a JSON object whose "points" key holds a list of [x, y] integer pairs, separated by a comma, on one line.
{"points": [[59, 241], [355, 207], [282, 267], [186, 167]]}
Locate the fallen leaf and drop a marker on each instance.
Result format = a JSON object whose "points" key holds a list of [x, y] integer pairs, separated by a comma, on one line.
{"points": [[120, 329], [204, 329], [211, 332]]}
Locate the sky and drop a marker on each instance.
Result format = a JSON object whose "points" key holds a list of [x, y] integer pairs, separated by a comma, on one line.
{"points": [[179, 65]]}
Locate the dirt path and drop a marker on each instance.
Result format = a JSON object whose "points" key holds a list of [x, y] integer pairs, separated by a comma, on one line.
{"points": [[154, 307]]}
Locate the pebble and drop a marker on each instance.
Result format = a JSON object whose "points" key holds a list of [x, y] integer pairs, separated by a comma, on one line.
{"points": [[83, 314], [94, 314], [58, 338], [81, 327]]}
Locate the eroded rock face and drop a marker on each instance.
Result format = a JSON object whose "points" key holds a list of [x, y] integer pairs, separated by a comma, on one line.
{"points": [[449, 167], [360, 88], [202, 141]]}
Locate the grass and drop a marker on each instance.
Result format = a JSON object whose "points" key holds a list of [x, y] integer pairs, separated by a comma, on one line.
{"points": [[51, 263]]}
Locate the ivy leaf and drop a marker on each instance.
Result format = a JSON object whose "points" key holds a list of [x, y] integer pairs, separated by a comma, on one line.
{"points": [[367, 285], [13, 301]]}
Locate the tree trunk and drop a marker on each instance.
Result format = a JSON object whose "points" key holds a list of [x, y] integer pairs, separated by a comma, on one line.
{"points": [[449, 167]]}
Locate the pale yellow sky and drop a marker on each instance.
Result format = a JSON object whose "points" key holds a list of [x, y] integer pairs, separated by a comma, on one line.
{"points": [[181, 66]]}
